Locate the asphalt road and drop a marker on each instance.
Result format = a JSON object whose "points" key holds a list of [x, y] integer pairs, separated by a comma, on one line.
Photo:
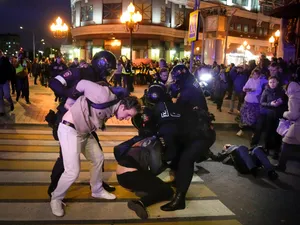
{"points": [[255, 201]]}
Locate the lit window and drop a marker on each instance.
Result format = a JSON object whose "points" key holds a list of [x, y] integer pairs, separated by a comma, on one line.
{"points": [[239, 27], [246, 28], [87, 13]]}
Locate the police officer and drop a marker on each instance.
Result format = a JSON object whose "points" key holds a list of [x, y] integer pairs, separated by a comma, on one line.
{"points": [[197, 134], [184, 82], [64, 85]]}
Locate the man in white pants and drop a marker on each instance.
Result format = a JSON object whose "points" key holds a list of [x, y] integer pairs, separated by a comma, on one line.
{"points": [[74, 133]]}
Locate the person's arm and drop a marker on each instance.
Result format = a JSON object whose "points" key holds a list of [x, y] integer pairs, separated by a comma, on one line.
{"points": [[247, 85], [263, 99], [293, 113]]}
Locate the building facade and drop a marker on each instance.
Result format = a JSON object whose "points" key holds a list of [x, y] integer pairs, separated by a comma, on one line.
{"points": [[10, 44], [163, 31]]}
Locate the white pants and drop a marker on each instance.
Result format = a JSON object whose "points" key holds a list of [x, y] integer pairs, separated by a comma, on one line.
{"points": [[72, 144]]}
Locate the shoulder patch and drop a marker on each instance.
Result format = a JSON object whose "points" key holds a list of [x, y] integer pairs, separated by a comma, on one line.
{"points": [[196, 84], [67, 74]]}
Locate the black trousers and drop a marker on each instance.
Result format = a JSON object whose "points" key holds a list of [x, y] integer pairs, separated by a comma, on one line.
{"points": [[194, 151], [22, 85], [143, 181], [59, 168], [268, 123]]}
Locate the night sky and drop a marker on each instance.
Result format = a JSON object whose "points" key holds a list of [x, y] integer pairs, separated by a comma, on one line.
{"points": [[36, 15]]}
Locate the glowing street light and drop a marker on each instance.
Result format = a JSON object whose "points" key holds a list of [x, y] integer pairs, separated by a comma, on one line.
{"points": [[245, 46], [131, 19], [59, 30]]}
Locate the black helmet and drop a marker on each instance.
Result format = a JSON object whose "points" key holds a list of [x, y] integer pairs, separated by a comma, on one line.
{"points": [[178, 71], [156, 93], [104, 60]]}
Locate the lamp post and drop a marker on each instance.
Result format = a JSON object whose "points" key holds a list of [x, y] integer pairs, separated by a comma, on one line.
{"points": [[271, 41], [131, 20], [243, 48], [276, 42], [59, 30], [33, 40]]}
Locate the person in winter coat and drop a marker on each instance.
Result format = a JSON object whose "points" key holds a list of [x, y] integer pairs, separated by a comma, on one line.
{"points": [[273, 103], [239, 79], [251, 108], [221, 87], [291, 141]]}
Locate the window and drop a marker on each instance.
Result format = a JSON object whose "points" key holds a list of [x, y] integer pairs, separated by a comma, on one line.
{"points": [[253, 29], [244, 2], [73, 14], [260, 31], [145, 9], [112, 10], [87, 13], [234, 1], [231, 27], [179, 17], [238, 27], [163, 14], [246, 28], [265, 31]]}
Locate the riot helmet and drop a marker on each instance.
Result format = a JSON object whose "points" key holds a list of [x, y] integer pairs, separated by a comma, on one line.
{"points": [[104, 62], [156, 93], [179, 72]]}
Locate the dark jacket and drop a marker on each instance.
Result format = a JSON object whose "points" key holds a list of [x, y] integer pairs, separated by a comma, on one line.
{"points": [[239, 82], [6, 71], [270, 95], [145, 154], [57, 69], [191, 94]]}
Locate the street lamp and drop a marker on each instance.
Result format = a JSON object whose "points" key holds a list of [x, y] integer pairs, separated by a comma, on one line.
{"points": [[59, 30], [276, 41], [131, 20], [245, 46], [33, 40]]}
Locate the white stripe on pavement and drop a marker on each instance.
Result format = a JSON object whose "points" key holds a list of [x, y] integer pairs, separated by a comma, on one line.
{"points": [[42, 156], [49, 143], [107, 211], [101, 133], [20, 177]]}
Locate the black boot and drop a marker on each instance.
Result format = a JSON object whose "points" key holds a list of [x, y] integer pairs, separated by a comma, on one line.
{"points": [[139, 208], [177, 203], [108, 187]]}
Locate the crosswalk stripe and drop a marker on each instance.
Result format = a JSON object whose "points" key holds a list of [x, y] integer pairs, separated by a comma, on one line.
{"points": [[49, 131], [104, 211], [189, 222], [39, 148], [48, 142], [32, 165], [211, 221], [42, 177], [26, 160], [42, 156], [82, 192], [45, 137]]}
